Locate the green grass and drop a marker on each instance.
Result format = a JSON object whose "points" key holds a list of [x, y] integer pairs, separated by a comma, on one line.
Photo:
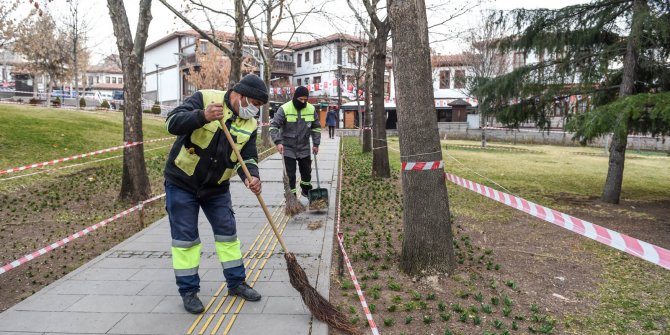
{"points": [[32, 134]]}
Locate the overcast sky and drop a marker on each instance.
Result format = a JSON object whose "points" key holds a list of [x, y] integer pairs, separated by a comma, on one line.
{"points": [[102, 42]]}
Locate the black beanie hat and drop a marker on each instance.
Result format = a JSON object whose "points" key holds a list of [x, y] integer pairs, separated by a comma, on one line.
{"points": [[301, 91], [253, 87]]}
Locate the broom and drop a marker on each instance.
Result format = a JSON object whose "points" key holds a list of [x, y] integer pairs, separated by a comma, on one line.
{"points": [[293, 205], [321, 308]]}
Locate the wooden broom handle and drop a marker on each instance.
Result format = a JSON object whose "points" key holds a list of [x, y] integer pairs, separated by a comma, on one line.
{"points": [[248, 175]]}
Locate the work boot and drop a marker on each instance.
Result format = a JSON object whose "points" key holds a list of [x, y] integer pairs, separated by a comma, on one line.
{"points": [[245, 291], [304, 193], [192, 303]]}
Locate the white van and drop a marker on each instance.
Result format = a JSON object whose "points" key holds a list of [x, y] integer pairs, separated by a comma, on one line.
{"points": [[92, 98]]}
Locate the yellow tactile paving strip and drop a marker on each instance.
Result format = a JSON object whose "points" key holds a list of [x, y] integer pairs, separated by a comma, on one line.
{"points": [[259, 252]]}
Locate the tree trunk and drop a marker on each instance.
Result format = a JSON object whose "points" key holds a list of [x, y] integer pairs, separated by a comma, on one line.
{"points": [[427, 244], [380, 156], [268, 60], [135, 184], [612, 190], [236, 50], [367, 131]]}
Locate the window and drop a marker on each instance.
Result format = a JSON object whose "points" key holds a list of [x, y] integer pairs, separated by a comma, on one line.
{"points": [[113, 80], [306, 81], [120, 80], [299, 60], [299, 83], [97, 79], [108, 80], [317, 80], [445, 79], [459, 79], [307, 56], [352, 56], [518, 60], [339, 55], [317, 56]]}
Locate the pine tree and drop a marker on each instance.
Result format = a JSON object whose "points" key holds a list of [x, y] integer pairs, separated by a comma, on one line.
{"points": [[607, 51]]}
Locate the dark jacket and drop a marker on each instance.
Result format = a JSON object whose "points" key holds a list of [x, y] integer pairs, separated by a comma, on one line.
{"points": [[212, 161], [331, 118], [293, 128]]}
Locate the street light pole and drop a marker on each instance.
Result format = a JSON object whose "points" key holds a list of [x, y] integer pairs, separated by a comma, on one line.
{"points": [[339, 94], [158, 99]]}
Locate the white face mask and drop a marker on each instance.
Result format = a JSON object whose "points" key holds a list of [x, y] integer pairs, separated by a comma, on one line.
{"points": [[247, 112]]}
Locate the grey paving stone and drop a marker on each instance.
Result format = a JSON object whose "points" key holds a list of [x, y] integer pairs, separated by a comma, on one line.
{"points": [[105, 274], [285, 305], [48, 302], [115, 303], [64, 322], [103, 287], [271, 324], [154, 323]]}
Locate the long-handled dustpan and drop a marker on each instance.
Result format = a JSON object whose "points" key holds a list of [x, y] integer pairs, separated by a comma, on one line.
{"points": [[317, 304], [318, 197]]}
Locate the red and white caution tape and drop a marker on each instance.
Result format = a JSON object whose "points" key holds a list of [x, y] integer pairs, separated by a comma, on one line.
{"points": [[417, 166], [88, 154], [60, 243], [625, 243], [361, 297]]}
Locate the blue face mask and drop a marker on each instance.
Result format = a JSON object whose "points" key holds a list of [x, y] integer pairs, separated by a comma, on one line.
{"points": [[247, 112]]}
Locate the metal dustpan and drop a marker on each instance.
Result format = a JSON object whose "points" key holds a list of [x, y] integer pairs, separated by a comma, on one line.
{"points": [[318, 197]]}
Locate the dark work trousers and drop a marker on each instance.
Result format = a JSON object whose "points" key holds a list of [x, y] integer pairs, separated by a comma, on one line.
{"points": [[305, 166], [183, 207], [331, 131]]}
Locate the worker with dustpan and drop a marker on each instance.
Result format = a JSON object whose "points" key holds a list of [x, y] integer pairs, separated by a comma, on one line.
{"points": [[294, 123]]}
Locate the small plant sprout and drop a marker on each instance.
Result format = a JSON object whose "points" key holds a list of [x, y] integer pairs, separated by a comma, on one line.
{"points": [[442, 306], [410, 306], [506, 311], [479, 297], [352, 309], [463, 294], [355, 320], [408, 319], [416, 295], [372, 308], [477, 320], [473, 309], [388, 322], [486, 308], [511, 284], [445, 317], [495, 301], [464, 317], [396, 299], [448, 332], [507, 301], [534, 308], [514, 325], [427, 319], [392, 308], [457, 308], [423, 305], [498, 324], [430, 296]]}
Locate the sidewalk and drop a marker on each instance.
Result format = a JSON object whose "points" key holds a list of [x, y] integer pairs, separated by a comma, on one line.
{"points": [[131, 290]]}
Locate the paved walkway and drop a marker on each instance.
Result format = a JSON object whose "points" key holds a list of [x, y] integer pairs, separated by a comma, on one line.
{"points": [[131, 290]]}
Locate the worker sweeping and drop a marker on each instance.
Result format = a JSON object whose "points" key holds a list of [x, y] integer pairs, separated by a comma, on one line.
{"points": [[294, 123], [197, 175]]}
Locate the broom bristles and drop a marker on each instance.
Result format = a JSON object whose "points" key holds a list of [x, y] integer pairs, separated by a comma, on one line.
{"points": [[293, 206], [321, 308]]}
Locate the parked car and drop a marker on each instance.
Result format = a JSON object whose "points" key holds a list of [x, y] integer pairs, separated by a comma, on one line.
{"points": [[63, 94], [117, 99], [92, 98]]}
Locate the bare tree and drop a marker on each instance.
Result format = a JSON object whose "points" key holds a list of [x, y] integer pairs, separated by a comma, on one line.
{"points": [[135, 181], [218, 39], [484, 59], [76, 29], [273, 13], [43, 45], [427, 243], [378, 38]]}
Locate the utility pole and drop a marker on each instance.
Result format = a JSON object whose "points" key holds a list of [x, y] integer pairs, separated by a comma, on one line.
{"points": [[339, 94], [157, 96]]}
